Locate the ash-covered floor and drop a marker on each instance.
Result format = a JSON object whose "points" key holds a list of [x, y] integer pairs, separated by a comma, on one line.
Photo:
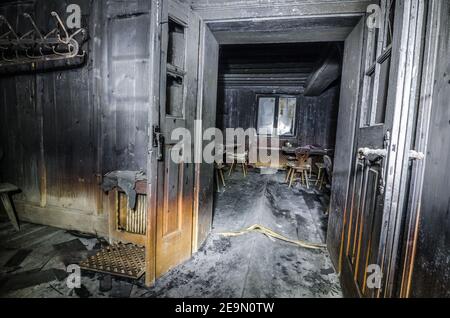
{"points": [[33, 261]]}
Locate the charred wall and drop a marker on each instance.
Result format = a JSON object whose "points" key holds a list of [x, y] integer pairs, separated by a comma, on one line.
{"points": [[248, 71], [316, 117], [63, 127]]}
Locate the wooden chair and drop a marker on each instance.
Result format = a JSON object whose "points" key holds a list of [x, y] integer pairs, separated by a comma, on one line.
{"points": [[238, 159], [328, 163], [302, 167], [325, 169], [321, 174], [219, 167], [5, 189]]}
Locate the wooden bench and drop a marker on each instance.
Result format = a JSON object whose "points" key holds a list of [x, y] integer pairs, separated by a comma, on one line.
{"points": [[5, 189]]}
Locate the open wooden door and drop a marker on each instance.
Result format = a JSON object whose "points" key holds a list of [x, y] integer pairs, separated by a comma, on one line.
{"points": [[175, 179], [347, 120], [361, 247], [206, 112]]}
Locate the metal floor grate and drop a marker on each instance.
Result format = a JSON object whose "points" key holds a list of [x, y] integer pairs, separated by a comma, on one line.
{"points": [[126, 260]]}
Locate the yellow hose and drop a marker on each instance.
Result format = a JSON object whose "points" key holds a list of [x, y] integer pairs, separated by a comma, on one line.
{"points": [[264, 230]]}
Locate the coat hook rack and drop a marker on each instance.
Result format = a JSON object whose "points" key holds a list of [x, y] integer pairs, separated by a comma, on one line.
{"points": [[34, 47]]}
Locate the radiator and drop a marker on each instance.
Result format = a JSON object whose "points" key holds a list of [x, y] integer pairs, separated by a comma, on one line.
{"points": [[129, 220]]}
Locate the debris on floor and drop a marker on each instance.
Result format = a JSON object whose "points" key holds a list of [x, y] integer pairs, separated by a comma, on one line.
{"points": [[272, 234], [251, 265]]}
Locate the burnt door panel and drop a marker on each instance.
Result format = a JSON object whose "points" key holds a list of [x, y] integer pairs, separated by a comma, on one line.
{"points": [[362, 272], [179, 44], [352, 223], [173, 199], [368, 227]]}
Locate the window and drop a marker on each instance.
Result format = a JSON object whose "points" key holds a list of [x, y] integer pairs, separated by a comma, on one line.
{"points": [[276, 115], [176, 46], [266, 115], [389, 23], [378, 66]]}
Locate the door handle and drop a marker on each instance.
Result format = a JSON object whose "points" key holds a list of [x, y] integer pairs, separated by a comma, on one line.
{"points": [[416, 155], [365, 152], [376, 155]]}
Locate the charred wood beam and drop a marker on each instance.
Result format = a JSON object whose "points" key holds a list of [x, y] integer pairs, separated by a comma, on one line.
{"points": [[274, 76], [280, 79], [293, 36], [327, 72], [239, 9], [267, 71], [261, 83]]}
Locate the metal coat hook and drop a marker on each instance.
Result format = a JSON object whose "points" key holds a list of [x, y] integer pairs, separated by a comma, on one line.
{"points": [[61, 24], [34, 46]]}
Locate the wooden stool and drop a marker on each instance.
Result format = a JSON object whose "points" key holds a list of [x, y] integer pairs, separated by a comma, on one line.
{"points": [[302, 166], [303, 170], [237, 159], [5, 189], [219, 175], [321, 174], [289, 170], [291, 161]]}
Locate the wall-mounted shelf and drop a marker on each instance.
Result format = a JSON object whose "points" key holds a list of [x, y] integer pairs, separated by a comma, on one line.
{"points": [[34, 47]]}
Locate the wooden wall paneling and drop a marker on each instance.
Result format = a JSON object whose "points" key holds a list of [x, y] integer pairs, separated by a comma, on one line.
{"points": [[20, 143], [128, 90], [63, 122], [316, 116]]}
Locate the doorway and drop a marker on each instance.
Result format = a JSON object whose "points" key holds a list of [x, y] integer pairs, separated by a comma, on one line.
{"points": [[302, 100], [271, 92], [353, 141], [262, 87]]}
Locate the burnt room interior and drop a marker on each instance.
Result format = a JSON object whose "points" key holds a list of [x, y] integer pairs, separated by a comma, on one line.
{"points": [[347, 99], [291, 89]]}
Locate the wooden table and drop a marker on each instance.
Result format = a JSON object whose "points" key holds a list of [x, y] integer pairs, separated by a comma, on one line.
{"points": [[289, 150], [282, 159], [5, 189]]}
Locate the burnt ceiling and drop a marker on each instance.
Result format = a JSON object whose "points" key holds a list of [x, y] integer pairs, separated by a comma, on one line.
{"points": [[287, 64], [311, 29]]}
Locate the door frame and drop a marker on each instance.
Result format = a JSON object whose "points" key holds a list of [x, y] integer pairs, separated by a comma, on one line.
{"points": [[205, 23], [433, 30], [406, 100], [197, 238], [153, 121]]}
